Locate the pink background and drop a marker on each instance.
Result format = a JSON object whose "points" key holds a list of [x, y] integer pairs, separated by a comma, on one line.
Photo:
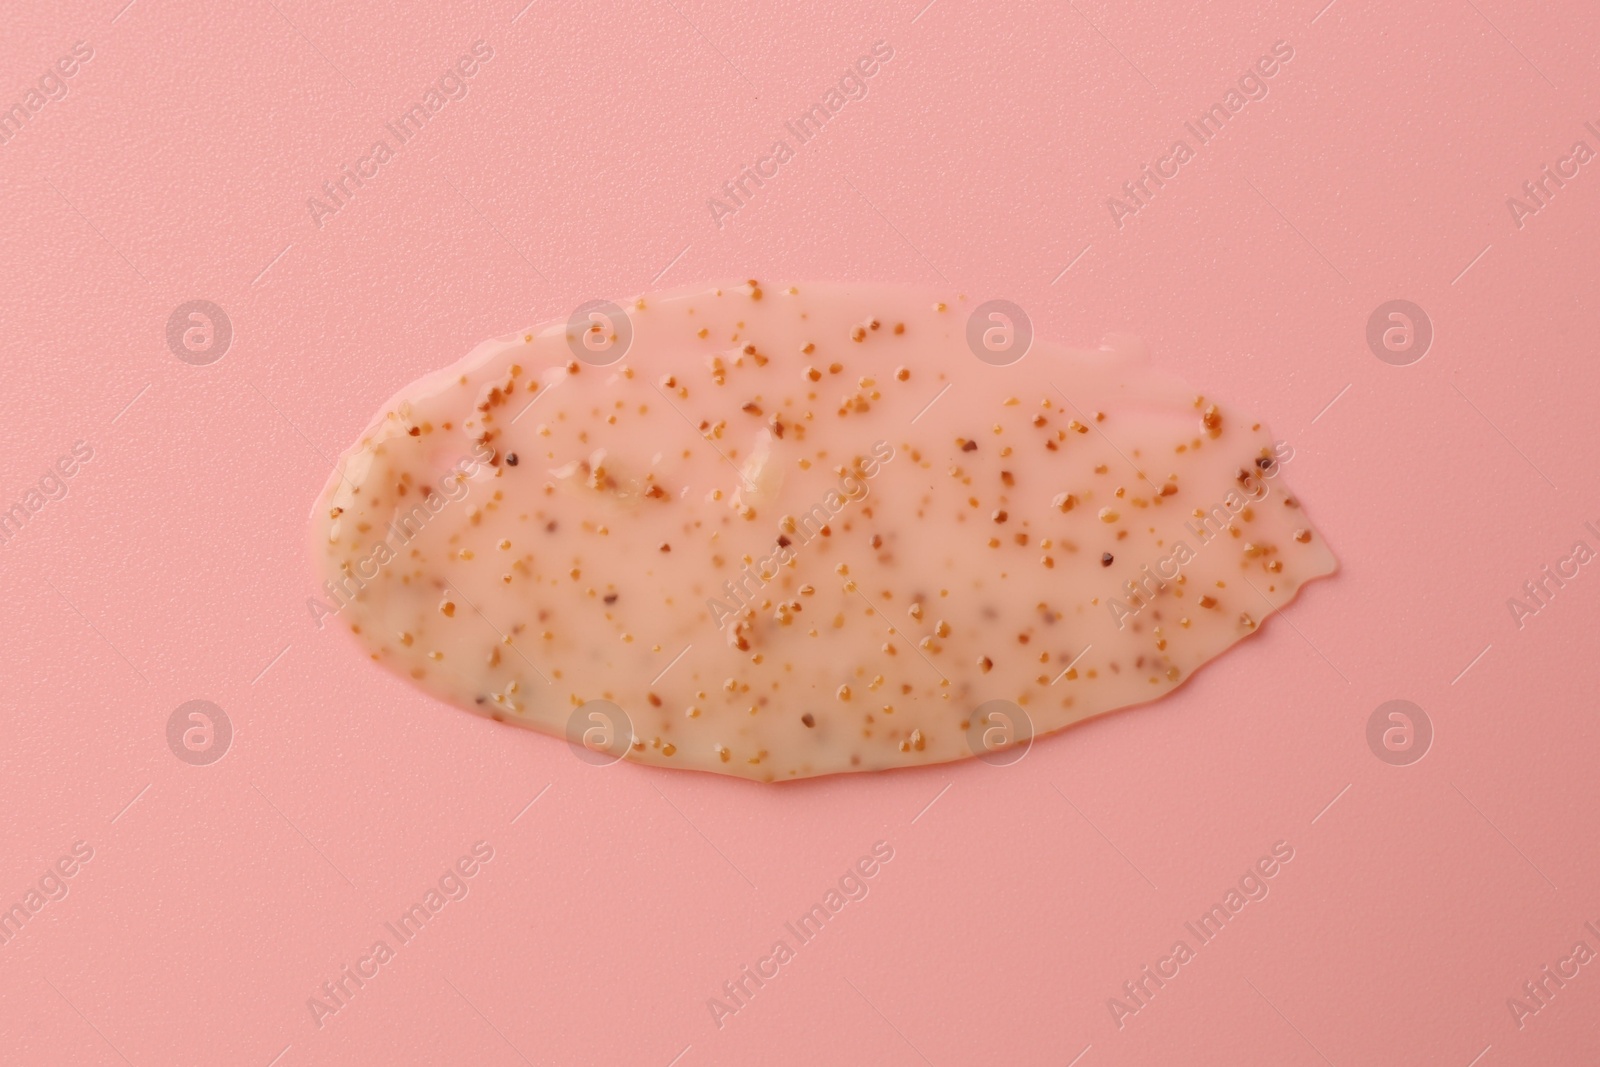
{"points": [[221, 897]]}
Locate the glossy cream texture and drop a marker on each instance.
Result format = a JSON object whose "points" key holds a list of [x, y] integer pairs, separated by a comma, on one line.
{"points": [[801, 530]]}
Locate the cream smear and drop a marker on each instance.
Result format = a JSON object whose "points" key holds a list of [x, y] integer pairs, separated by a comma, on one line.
{"points": [[782, 531]]}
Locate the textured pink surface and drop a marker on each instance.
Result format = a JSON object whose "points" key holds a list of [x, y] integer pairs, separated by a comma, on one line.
{"points": [[578, 165]]}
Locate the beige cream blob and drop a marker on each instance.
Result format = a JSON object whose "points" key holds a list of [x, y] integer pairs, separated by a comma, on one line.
{"points": [[782, 531]]}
